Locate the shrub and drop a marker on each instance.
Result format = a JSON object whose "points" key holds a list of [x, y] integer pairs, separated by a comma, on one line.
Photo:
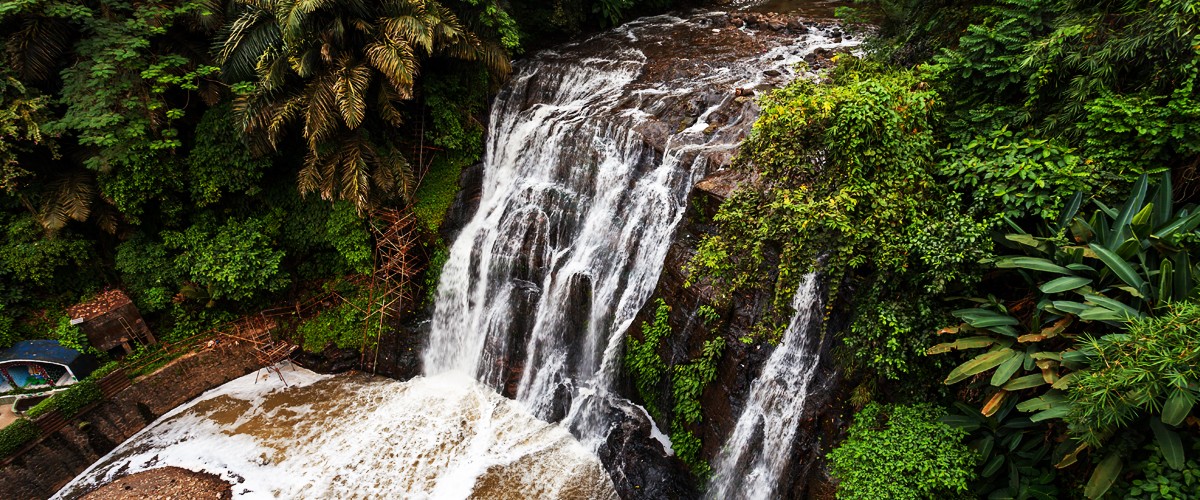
{"points": [[902, 452], [70, 401], [17, 434]]}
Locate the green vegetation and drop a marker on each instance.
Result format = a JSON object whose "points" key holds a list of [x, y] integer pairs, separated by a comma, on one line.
{"points": [[687, 380], [903, 453], [15, 435], [1008, 187], [347, 326], [69, 401], [168, 147]]}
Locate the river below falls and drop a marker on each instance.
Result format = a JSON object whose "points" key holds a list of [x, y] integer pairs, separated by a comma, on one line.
{"points": [[357, 436]]}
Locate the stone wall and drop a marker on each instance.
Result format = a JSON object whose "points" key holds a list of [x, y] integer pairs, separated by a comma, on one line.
{"points": [[59, 457]]}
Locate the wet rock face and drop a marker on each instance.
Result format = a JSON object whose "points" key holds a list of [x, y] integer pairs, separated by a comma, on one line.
{"points": [[398, 356], [466, 201], [638, 464], [724, 399]]}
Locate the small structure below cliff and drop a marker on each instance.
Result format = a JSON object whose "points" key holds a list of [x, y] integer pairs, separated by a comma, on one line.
{"points": [[111, 321]]}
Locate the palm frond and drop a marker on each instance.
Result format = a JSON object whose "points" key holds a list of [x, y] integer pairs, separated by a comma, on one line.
{"points": [[397, 63], [70, 198], [36, 49], [351, 88]]}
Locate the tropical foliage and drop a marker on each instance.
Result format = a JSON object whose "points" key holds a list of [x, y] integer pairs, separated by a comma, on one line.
{"points": [[902, 452], [164, 147], [323, 64]]}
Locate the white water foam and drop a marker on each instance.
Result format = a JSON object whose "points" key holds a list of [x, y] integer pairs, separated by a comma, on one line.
{"points": [[577, 213], [443, 437]]}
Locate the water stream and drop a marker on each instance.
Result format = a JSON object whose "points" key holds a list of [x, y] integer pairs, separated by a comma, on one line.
{"points": [[755, 456], [591, 153], [356, 436]]}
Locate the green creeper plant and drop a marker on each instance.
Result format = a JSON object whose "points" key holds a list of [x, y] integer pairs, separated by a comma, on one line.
{"points": [[16, 434], [641, 356], [902, 452]]}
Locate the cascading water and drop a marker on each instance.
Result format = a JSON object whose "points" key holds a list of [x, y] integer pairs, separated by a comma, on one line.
{"points": [[591, 154], [756, 455], [592, 151], [348, 437]]}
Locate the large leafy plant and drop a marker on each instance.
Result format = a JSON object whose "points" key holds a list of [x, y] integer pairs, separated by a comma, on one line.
{"points": [[1014, 459], [1117, 267]]}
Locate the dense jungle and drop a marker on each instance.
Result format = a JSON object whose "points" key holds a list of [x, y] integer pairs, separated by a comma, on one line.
{"points": [[947, 256]]}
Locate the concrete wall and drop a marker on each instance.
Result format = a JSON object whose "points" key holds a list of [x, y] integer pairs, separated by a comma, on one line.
{"points": [[58, 458]]}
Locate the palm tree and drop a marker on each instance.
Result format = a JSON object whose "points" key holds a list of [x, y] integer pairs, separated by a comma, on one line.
{"points": [[326, 63]]}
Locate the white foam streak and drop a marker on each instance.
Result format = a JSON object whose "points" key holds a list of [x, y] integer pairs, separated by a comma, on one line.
{"points": [[444, 438], [756, 454]]}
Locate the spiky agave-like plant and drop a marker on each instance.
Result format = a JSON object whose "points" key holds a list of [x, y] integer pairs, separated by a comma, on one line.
{"points": [[327, 64]]}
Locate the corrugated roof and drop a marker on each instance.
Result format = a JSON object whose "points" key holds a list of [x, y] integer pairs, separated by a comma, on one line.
{"points": [[49, 351], [106, 302]]}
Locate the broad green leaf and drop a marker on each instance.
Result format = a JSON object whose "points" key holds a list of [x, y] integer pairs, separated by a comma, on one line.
{"points": [[963, 343], [1043, 491], [971, 412], [1169, 443], [960, 422], [1162, 199], [1019, 423], [1005, 330], [1111, 212], [979, 364], [991, 321], [1034, 263], [1065, 382], [1103, 477], [1102, 314], [1127, 249], [1024, 239], [1177, 407], [984, 446], [1183, 275], [1063, 284], [1056, 412], [1044, 402], [1071, 307], [1112, 305], [1069, 210], [1025, 382], [993, 466], [1144, 217], [1118, 266], [1120, 225], [1006, 371], [1179, 224], [1166, 280]]}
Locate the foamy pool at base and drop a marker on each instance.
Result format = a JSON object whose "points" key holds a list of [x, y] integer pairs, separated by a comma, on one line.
{"points": [[357, 436]]}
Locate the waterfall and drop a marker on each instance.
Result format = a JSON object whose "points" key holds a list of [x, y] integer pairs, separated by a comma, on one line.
{"points": [[591, 153], [588, 167], [756, 455]]}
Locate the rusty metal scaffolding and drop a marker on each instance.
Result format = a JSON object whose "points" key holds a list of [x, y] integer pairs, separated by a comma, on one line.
{"points": [[396, 263]]}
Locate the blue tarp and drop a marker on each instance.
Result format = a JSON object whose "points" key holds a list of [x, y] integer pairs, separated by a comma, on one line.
{"points": [[47, 351]]}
